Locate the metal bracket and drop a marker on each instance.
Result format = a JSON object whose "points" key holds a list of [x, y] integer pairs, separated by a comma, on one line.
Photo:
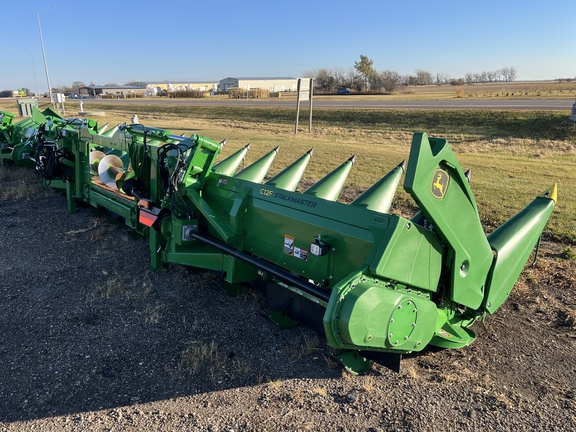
{"points": [[353, 362]]}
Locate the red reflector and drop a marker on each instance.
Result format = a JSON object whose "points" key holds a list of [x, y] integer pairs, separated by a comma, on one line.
{"points": [[146, 218]]}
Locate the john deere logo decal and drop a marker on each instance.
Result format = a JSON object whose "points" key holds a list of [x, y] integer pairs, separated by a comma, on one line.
{"points": [[440, 183]]}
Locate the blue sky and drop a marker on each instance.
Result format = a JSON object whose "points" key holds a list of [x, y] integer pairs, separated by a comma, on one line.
{"points": [[120, 41]]}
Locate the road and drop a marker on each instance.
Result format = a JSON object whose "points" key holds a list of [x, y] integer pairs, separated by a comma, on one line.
{"points": [[457, 104]]}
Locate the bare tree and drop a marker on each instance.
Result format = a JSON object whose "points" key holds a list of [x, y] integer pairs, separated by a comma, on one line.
{"points": [[354, 80], [513, 74], [76, 86], [324, 80], [508, 74], [390, 80], [375, 82], [363, 77], [423, 77], [62, 89], [340, 77], [442, 79]]}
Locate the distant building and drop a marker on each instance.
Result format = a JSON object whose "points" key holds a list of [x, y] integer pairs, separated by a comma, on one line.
{"points": [[112, 91], [155, 88], [272, 84]]}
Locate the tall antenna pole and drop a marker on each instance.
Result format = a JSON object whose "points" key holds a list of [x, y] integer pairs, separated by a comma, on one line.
{"points": [[45, 64]]}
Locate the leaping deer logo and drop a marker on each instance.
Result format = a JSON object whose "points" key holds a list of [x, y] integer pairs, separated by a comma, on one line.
{"points": [[440, 181]]}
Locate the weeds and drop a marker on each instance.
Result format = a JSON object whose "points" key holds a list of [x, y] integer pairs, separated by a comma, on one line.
{"points": [[93, 223], [260, 377], [254, 299], [300, 348], [114, 285], [153, 314], [200, 355], [567, 318], [101, 231], [19, 184], [240, 367], [107, 285], [320, 391], [568, 253], [368, 383], [275, 384]]}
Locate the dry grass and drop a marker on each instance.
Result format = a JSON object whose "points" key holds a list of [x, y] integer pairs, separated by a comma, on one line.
{"points": [[330, 362], [111, 285], [411, 370], [303, 347], [153, 314], [276, 384], [108, 284], [253, 299], [557, 273], [320, 391], [511, 154], [240, 368], [260, 377], [102, 231], [20, 184], [93, 225], [200, 355], [368, 383], [513, 90], [97, 229]]}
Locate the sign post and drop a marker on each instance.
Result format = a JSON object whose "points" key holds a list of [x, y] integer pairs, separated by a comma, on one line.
{"points": [[305, 91]]}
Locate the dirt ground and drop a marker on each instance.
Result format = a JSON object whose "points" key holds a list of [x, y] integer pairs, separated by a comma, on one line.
{"points": [[90, 339]]}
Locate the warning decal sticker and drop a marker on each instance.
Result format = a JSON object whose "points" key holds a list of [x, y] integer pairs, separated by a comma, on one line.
{"points": [[301, 253], [288, 245]]}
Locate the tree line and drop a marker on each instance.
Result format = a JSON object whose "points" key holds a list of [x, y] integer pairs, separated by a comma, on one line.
{"points": [[364, 78]]}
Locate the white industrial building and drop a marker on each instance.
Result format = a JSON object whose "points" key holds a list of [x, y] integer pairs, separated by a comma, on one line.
{"points": [[272, 84]]}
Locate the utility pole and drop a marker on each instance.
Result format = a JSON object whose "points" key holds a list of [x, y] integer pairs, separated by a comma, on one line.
{"points": [[35, 75], [45, 64]]}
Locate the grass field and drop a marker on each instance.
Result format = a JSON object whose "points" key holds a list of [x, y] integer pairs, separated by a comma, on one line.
{"points": [[499, 90], [514, 155], [513, 90]]}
